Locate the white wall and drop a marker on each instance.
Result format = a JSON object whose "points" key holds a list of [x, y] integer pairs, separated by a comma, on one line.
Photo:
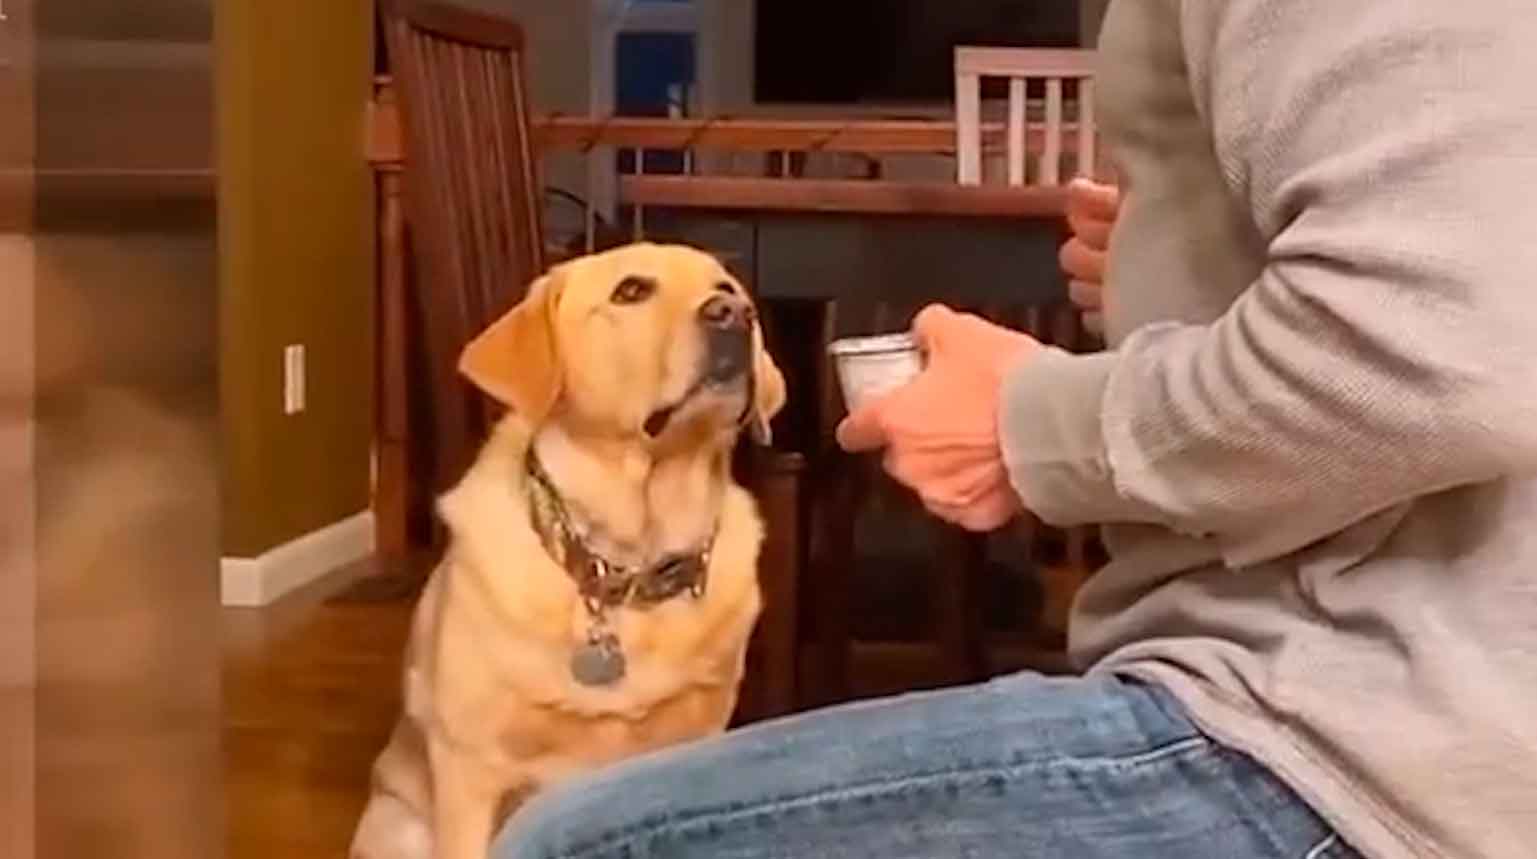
{"points": [[566, 74], [726, 61], [566, 78], [558, 33]]}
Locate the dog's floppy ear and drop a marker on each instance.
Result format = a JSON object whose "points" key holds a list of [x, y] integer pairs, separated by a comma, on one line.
{"points": [[768, 391], [515, 360]]}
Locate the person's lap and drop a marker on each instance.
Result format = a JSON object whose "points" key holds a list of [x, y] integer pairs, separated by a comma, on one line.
{"points": [[1022, 766]]}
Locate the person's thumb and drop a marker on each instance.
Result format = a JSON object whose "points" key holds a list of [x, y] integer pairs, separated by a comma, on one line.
{"points": [[931, 326], [1090, 200], [864, 429]]}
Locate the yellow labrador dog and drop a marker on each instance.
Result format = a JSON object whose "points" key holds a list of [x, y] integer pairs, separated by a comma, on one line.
{"points": [[601, 579]]}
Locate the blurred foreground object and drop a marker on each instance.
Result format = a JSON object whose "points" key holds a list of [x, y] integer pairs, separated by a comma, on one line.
{"points": [[109, 694]]}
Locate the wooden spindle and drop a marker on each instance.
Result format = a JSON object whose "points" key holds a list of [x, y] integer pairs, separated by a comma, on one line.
{"points": [[1086, 136], [1051, 156], [968, 128], [639, 214], [1017, 154]]}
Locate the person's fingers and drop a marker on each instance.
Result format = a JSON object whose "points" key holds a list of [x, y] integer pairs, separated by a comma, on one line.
{"points": [[863, 430], [1094, 322], [1086, 296], [1082, 262], [986, 515], [950, 514], [900, 469], [1093, 232], [995, 513], [1090, 199], [931, 324], [997, 509], [969, 482]]}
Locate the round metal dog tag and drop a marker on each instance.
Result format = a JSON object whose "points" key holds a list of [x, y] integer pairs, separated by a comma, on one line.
{"points": [[599, 662]]}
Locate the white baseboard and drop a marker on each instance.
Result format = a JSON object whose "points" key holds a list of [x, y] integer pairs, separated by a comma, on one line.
{"points": [[259, 581]]}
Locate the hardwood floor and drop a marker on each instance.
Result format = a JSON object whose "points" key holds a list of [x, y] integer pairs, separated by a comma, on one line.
{"points": [[311, 690]]}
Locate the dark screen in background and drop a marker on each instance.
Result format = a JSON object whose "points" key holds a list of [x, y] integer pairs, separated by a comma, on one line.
{"points": [[833, 51]]}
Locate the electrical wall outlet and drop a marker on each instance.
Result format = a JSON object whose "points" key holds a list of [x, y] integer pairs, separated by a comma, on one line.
{"points": [[293, 379]]}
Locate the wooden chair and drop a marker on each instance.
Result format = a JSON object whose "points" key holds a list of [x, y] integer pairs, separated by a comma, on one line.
{"points": [[472, 203], [1054, 70]]}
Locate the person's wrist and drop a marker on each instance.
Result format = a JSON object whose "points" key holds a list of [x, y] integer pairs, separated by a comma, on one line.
{"points": [[1019, 354], [1018, 362]]}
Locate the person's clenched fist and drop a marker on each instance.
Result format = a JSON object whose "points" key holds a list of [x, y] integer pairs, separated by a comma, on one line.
{"points": [[1091, 212], [940, 431]]}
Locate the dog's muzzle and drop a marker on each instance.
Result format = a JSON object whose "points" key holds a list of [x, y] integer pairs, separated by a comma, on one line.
{"points": [[727, 323]]}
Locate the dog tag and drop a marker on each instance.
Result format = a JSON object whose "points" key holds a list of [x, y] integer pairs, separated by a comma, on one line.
{"points": [[599, 662]]}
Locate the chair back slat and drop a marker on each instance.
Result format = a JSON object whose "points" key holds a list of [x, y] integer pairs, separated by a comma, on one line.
{"points": [[1051, 159], [1048, 137], [1017, 121], [472, 195], [968, 127], [1088, 144]]}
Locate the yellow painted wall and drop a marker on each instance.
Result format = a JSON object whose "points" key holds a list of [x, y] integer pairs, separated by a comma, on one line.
{"points": [[296, 264]]}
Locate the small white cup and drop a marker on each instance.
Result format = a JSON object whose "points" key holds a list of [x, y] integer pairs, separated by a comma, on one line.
{"points": [[869, 367]]}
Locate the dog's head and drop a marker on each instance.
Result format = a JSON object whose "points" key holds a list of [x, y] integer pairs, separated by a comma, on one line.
{"points": [[650, 341]]}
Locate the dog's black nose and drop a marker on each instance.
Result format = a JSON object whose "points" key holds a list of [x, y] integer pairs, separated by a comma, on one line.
{"points": [[727, 323], [725, 313]]}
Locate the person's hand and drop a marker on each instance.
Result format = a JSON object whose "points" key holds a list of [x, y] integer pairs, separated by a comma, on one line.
{"points": [[1091, 212], [940, 431]]}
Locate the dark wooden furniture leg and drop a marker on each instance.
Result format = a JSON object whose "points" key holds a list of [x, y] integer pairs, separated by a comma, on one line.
{"points": [[392, 421], [772, 684], [830, 508], [959, 628]]}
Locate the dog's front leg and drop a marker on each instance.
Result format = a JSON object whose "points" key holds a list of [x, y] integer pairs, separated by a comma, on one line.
{"points": [[465, 796]]}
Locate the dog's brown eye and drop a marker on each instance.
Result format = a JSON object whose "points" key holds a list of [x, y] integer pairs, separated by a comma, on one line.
{"points": [[633, 289]]}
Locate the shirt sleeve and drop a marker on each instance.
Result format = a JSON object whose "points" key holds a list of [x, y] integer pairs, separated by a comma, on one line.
{"points": [[1386, 350]]}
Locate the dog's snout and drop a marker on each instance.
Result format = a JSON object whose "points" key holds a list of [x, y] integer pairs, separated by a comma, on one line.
{"points": [[725, 313], [726, 321]]}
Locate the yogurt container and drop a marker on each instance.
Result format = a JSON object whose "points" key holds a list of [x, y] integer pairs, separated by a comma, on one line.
{"points": [[869, 367]]}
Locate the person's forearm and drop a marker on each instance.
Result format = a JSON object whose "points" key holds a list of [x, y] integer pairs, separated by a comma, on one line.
{"points": [[1265, 451]]}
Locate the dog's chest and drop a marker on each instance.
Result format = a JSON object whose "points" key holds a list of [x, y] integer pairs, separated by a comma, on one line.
{"points": [[654, 706]]}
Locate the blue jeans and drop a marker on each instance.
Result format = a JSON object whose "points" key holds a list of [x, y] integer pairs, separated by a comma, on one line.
{"points": [[1023, 766]]}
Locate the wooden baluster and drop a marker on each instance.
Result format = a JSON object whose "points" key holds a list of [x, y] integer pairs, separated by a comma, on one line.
{"points": [[590, 214], [968, 128], [959, 629], [394, 480], [1016, 149], [639, 211], [772, 687], [837, 486], [1051, 156], [1087, 139]]}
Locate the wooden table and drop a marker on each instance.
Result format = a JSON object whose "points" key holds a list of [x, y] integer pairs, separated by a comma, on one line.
{"points": [[746, 134], [834, 240], [919, 236]]}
